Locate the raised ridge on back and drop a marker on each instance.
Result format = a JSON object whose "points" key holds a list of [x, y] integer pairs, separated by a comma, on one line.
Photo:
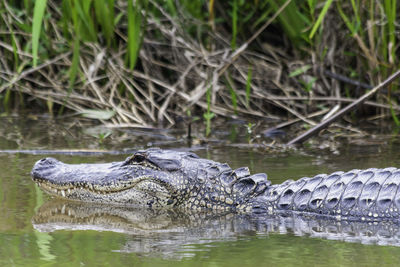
{"points": [[356, 195]]}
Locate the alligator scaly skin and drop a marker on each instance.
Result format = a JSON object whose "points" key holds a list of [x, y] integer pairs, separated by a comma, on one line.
{"points": [[370, 194]]}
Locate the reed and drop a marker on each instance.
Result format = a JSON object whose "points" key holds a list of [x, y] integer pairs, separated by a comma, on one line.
{"points": [[208, 115], [38, 14], [147, 61]]}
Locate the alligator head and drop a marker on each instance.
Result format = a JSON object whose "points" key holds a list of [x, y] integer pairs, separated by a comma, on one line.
{"points": [[154, 178]]}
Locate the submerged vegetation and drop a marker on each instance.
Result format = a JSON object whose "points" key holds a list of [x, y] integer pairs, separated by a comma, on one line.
{"points": [[144, 62]]}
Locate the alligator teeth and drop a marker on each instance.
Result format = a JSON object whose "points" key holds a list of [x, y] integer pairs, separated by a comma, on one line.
{"points": [[69, 191], [63, 193]]}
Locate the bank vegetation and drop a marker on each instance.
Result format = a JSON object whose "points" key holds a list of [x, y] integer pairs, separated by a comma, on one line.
{"points": [[147, 62]]}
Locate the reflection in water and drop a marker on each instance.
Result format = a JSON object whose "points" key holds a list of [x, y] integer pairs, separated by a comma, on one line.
{"points": [[43, 241], [172, 234], [229, 240]]}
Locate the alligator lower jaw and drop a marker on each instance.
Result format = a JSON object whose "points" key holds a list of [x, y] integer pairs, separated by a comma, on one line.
{"points": [[135, 193], [65, 189]]}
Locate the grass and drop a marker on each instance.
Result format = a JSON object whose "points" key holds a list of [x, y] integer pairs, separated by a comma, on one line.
{"points": [[208, 115], [150, 61], [134, 33], [234, 23], [38, 14], [321, 16], [248, 86]]}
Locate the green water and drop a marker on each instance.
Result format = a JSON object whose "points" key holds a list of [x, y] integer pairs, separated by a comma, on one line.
{"points": [[162, 241]]}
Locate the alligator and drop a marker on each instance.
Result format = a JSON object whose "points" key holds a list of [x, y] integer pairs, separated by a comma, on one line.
{"points": [[164, 179]]}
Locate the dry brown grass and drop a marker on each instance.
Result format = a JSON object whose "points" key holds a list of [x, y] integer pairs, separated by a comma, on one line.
{"points": [[174, 72]]}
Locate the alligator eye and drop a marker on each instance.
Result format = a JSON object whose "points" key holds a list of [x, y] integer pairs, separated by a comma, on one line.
{"points": [[138, 158], [135, 159]]}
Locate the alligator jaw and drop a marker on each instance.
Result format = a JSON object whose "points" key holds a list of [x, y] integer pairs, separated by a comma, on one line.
{"points": [[97, 183]]}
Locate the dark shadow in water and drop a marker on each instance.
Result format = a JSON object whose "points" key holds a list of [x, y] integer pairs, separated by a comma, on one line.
{"points": [[169, 233]]}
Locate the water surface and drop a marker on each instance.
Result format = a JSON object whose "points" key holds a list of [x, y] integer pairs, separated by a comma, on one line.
{"points": [[36, 230]]}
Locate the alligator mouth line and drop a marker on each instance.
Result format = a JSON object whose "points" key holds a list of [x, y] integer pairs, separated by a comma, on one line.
{"points": [[115, 187]]}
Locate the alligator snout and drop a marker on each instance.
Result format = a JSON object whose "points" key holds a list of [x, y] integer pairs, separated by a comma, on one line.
{"points": [[43, 168], [46, 162]]}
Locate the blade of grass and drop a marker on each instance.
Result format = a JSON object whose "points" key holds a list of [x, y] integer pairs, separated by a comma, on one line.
{"points": [[6, 100], [97, 114], [248, 86], [76, 47], [394, 116], [346, 20], [171, 7], [263, 17], [28, 6], [390, 12], [211, 18], [301, 70], [38, 13], [234, 24], [134, 28], [14, 46], [75, 62], [229, 84], [87, 21], [290, 19], [66, 10], [356, 13], [208, 115], [311, 5], [371, 26], [106, 10], [320, 18]]}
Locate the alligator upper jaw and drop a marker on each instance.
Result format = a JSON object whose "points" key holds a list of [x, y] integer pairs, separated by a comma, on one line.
{"points": [[53, 175], [92, 181]]}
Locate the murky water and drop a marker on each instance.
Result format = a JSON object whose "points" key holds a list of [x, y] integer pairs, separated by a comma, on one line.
{"points": [[36, 230]]}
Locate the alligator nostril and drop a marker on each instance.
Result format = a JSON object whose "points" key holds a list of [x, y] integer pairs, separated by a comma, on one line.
{"points": [[44, 167], [47, 161], [45, 164]]}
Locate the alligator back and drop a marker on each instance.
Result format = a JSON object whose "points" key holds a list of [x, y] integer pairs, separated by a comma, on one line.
{"points": [[371, 194]]}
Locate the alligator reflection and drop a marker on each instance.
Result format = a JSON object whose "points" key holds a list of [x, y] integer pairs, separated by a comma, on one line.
{"points": [[166, 232]]}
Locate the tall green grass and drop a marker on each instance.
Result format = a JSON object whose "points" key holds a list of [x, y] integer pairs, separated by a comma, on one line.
{"points": [[368, 36], [135, 35], [38, 14], [94, 22], [208, 115], [373, 25]]}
